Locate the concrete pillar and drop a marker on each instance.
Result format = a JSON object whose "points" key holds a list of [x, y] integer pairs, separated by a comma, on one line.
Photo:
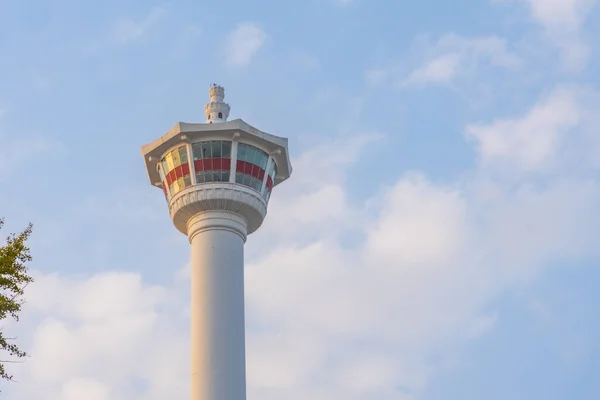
{"points": [[218, 364]]}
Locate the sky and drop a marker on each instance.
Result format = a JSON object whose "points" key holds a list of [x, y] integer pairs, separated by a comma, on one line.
{"points": [[437, 239]]}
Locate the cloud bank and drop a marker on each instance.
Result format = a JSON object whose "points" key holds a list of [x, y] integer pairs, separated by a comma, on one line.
{"points": [[327, 320]]}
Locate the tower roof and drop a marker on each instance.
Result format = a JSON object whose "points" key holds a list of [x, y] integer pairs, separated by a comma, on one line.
{"points": [[190, 132]]}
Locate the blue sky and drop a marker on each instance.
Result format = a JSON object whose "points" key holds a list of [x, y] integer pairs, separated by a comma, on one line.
{"points": [[437, 240]]}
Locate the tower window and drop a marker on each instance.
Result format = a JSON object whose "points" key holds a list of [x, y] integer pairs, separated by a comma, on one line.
{"points": [[250, 166], [212, 160], [175, 171], [220, 115]]}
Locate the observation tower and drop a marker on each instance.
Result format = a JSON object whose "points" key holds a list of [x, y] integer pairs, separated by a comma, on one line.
{"points": [[217, 178]]}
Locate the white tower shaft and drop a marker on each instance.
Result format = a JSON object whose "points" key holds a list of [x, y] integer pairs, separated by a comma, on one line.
{"points": [[218, 365]]}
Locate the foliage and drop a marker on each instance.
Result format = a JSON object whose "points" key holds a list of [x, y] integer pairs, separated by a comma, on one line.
{"points": [[14, 256]]}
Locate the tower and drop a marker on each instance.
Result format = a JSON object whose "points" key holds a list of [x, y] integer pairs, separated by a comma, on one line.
{"points": [[217, 178]]}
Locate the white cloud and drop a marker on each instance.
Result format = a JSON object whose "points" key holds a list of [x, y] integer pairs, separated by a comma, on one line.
{"points": [[439, 70], [85, 389], [427, 230], [560, 14], [563, 20], [555, 132], [315, 205], [94, 337], [243, 43], [530, 142], [451, 58], [326, 320], [127, 30]]}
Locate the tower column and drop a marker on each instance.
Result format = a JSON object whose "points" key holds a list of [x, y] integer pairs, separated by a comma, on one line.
{"points": [[218, 365]]}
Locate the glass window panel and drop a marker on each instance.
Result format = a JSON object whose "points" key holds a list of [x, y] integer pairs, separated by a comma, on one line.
{"points": [[226, 149], [180, 183], [216, 149], [197, 151], [246, 180], [209, 176], [200, 177], [238, 177], [250, 154], [206, 149], [176, 159], [175, 187], [187, 179], [254, 155], [169, 160], [241, 155], [225, 176], [183, 154], [260, 156], [263, 161], [244, 153]]}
